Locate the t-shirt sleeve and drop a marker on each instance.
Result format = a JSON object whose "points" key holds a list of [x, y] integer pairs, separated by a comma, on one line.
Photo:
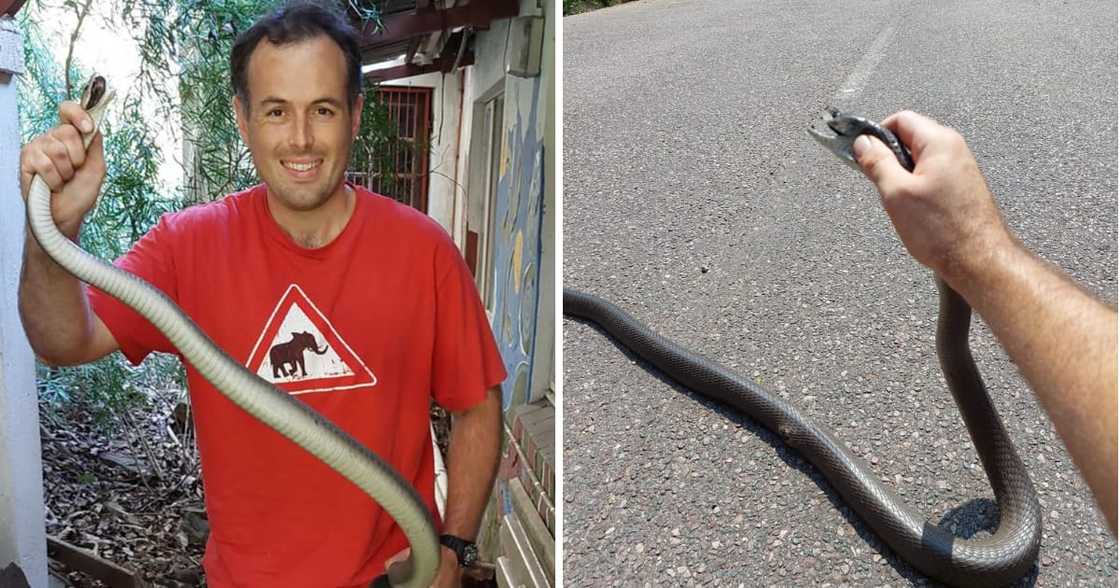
{"points": [[466, 361], [150, 259]]}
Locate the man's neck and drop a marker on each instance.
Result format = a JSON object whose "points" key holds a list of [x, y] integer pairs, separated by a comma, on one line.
{"points": [[317, 228]]}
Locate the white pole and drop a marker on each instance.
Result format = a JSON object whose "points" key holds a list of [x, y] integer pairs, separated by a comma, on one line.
{"points": [[22, 535], [441, 474]]}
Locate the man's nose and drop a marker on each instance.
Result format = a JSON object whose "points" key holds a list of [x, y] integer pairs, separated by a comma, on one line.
{"points": [[300, 135]]}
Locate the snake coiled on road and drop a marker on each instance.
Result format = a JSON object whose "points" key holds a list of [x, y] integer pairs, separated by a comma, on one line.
{"points": [[265, 402], [993, 560]]}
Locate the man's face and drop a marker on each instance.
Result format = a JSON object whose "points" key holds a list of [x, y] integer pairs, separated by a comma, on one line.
{"points": [[299, 128]]}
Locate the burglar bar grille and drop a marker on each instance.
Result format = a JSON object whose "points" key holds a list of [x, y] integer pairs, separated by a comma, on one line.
{"points": [[406, 179]]}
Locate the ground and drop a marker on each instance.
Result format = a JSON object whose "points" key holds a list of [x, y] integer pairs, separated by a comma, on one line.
{"points": [[127, 489]]}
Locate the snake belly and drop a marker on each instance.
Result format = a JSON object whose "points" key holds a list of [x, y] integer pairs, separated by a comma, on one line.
{"points": [[994, 560], [265, 402]]}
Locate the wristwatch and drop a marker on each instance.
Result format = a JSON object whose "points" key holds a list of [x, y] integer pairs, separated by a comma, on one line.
{"points": [[465, 551]]}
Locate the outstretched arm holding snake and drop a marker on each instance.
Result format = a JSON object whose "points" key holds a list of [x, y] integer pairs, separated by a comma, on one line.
{"points": [[52, 302], [1062, 338]]}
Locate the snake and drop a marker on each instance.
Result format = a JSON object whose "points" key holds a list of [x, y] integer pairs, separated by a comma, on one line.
{"points": [[994, 560], [267, 403]]}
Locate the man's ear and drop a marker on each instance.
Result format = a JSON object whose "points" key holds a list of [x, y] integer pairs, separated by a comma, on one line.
{"points": [[242, 122], [356, 115]]}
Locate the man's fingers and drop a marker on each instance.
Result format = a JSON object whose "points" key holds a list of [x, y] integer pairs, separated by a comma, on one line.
{"points": [[42, 166], [913, 129], [400, 556], [71, 112], [69, 136], [879, 164], [60, 154]]}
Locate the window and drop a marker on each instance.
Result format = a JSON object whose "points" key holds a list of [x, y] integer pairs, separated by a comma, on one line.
{"points": [[400, 168]]}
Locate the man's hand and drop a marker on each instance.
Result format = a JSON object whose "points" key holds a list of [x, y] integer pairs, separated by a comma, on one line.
{"points": [[943, 212], [449, 574], [73, 175]]}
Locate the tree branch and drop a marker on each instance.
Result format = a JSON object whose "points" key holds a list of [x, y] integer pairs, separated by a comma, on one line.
{"points": [[70, 51]]}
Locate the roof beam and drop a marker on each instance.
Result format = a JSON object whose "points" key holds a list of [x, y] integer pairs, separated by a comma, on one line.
{"points": [[401, 26], [443, 64]]}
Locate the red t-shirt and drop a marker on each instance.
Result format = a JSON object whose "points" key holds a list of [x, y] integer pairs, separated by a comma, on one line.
{"points": [[366, 330]]}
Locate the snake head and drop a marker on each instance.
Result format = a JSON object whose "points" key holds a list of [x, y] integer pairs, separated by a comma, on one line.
{"points": [[93, 92], [843, 130], [840, 132], [96, 97]]}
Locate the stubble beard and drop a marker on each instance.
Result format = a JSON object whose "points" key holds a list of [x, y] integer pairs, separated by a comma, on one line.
{"points": [[302, 198]]}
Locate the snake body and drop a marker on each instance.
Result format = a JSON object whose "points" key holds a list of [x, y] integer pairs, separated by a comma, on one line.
{"points": [[988, 561], [265, 402]]}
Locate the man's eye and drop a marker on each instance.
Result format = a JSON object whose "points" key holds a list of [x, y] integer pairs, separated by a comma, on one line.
{"points": [[325, 111], [276, 111]]}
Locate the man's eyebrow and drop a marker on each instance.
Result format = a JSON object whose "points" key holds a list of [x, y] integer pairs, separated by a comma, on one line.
{"points": [[329, 100]]}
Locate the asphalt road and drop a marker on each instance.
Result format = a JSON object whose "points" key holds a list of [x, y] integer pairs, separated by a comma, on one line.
{"points": [[694, 198]]}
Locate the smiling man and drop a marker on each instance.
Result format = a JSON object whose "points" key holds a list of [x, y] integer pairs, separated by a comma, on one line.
{"points": [[360, 306]]}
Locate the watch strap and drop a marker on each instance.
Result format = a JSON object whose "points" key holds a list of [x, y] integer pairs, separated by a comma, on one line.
{"points": [[460, 546]]}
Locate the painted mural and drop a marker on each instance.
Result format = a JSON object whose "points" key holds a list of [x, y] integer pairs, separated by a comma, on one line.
{"points": [[517, 242]]}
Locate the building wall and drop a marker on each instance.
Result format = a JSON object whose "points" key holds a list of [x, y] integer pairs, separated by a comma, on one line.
{"points": [[515, 260], [520, 268], [543, 375]]}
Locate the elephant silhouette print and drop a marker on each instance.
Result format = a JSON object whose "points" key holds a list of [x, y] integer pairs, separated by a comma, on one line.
{"points": [[287, 357]]}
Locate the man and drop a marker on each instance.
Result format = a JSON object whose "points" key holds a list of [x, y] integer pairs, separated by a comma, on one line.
{"points": [[1062, 338], [360, 306]]}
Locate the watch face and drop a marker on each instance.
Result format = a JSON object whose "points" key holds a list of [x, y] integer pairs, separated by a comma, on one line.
{"points": [[470, 555]]}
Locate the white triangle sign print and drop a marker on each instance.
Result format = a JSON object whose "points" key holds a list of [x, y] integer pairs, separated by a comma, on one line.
{"points": [[300, 352]]}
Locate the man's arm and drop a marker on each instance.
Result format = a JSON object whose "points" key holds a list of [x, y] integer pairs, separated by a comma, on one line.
{"points": [[472, 463], [55, 312], [53, 305], [1063, 340]]}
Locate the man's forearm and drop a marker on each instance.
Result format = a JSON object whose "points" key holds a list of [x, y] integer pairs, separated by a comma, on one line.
{"points": [[52, 306], [1064, 342], [472, 462]]}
